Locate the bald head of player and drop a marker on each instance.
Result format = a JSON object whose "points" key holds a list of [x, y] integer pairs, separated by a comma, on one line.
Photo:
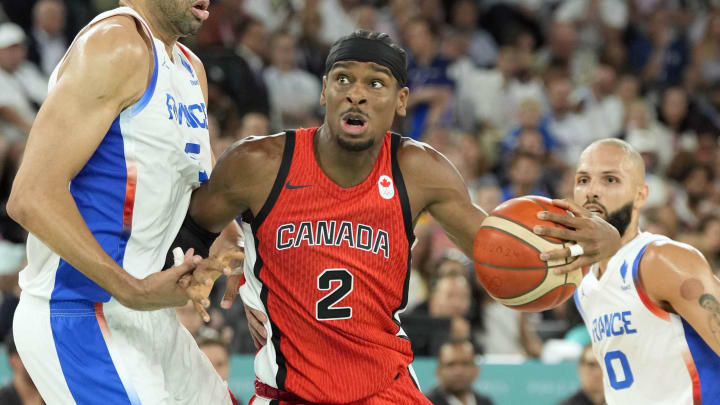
{"points": [[176, 18], [610, 181], [363, 89]]}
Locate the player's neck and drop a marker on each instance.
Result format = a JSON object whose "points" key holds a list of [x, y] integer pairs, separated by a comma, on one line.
{"points": [[631, 233], [160, 29], [345, 168]]}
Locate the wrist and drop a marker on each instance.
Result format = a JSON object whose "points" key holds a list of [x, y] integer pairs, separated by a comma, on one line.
{"points": [[132, 293]]}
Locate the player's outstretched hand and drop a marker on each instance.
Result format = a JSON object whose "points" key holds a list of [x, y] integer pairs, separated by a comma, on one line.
{"points": [[164, 289], [205, 274], [599, 240]]}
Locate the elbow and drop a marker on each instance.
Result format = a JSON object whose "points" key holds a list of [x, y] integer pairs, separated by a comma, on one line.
{"points": [[15, 208], [19, 204]]}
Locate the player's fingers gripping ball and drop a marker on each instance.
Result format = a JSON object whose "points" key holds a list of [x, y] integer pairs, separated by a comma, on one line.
{"points": [[507, 257]]}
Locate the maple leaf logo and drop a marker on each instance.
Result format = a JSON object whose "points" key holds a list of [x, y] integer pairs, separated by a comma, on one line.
{"points": [[385, 183]]}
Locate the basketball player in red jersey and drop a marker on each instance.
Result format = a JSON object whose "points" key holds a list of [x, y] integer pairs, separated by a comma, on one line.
{"points": [[328, 216]]}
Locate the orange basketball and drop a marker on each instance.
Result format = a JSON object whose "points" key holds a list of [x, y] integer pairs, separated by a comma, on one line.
{"points": [[507, 257]]}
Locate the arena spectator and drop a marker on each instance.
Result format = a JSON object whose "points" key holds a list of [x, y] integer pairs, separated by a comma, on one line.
{"points": [[47, 41], [591, 381], [456, 371], [23, 85], [294, 93]]}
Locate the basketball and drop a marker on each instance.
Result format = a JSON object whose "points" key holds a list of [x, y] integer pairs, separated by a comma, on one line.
{"points": [[507, 257]]}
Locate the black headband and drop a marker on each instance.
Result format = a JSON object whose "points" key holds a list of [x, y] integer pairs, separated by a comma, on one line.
{"points": [[369, 50]]}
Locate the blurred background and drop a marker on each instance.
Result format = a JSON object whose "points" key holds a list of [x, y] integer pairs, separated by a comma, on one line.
{"points": [[509, 90]]}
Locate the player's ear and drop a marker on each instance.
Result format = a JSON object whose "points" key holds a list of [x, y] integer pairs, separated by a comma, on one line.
{"points": [[322, 92], [642, 196], [402, 98]]}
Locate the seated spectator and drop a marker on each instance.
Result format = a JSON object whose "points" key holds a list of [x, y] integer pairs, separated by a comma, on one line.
{"points": [[47, 42], [488, 197], [482, 48], [506, 332], [20, 390], [445, 310], [706, 53], [600, 105], [456, 371], [642, 131], [217, 352], [492, 96], [570, 129], [294, 93], [431, 88], [591, 381], [525, 173], [677, 118], [530, 118], [560, 50], [24, 88], [252, 124], [660, 53], [312, 50]]}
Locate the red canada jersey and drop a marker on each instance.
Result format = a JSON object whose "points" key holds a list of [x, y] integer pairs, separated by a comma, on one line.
{"points": [[330, 268]]}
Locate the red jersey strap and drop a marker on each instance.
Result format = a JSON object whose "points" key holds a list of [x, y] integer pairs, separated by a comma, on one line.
{"points": [[273, 393]]}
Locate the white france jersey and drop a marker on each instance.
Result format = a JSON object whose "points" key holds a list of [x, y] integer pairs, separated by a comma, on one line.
{"points": [[648, 356], [134, 191]]}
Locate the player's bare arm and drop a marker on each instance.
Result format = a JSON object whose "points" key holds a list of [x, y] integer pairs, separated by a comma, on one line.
{"points": [[678, 279], [65, 135], [435, 185], [242, 179], [227, 194]]}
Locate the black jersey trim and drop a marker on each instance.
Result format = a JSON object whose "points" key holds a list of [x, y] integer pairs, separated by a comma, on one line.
{"points": [[279, 180], [276, 333], [402, 191], [407, 219], [255, 224]]}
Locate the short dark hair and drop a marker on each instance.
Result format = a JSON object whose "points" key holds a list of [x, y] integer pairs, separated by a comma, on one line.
{"points": [[455, 342]]}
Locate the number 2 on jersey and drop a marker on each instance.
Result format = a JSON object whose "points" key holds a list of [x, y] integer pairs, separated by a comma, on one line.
{"points": [[324, 309], [620, 358]]}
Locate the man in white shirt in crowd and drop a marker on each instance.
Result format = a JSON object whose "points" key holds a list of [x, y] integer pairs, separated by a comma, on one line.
{"points": [[23, 86]]}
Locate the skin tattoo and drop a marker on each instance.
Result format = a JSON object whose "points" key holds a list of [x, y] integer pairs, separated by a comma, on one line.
{"points": [[710, 304]]}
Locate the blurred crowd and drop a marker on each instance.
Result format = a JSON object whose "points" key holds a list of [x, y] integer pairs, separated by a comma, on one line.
{"points": [[509, 90]]}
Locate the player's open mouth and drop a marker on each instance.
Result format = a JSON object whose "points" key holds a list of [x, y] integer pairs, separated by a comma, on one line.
{"points": [[354, 124], [199, 8], [595, 209]]}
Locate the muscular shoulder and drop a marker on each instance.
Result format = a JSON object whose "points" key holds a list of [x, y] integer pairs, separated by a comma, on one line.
{"points": [[414, 154], [116, 39], [666, 265], [100, 57], [428, 173], [256, 158]]}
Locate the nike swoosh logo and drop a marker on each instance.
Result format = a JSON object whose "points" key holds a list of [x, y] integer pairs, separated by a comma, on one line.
{"points": [[292, 186]]}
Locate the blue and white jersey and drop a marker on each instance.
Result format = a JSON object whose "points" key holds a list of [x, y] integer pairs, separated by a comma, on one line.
{"points": [[648, 355], [134, 191]]}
